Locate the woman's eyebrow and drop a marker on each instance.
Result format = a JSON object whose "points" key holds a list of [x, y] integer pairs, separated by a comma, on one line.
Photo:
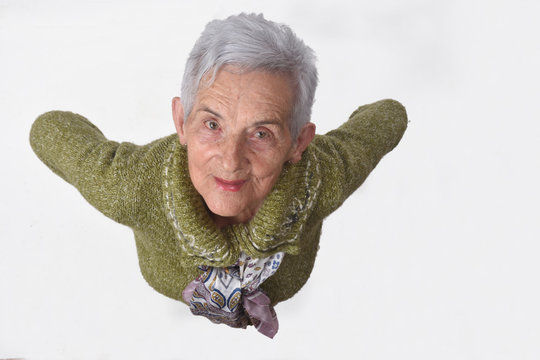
{"points": [[208, 110], [268, 122], [257, 123]]}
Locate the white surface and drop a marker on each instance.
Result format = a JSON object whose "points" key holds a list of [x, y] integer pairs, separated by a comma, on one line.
{"points": [[437, 253]]}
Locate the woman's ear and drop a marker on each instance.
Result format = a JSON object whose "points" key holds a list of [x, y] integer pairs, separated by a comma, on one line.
{"points": [[307, 133], [178, 117]]}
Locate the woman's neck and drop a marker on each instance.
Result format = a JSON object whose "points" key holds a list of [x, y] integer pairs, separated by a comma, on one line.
{"points": [[223, 221]]}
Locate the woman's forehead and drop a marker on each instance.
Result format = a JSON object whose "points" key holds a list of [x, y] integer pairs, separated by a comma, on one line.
{"points": [[265, 95]]}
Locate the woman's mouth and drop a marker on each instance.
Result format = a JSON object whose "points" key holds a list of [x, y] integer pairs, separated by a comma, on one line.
{"points": [[229, 185]]}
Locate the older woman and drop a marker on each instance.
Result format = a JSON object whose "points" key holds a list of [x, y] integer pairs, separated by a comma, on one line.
{"points": [[227, 212]]}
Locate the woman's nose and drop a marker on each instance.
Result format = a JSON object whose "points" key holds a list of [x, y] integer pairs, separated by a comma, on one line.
{"points": [[233, 155]]}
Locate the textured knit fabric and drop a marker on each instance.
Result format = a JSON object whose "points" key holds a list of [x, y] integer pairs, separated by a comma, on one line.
{"points": [[148, 189]]}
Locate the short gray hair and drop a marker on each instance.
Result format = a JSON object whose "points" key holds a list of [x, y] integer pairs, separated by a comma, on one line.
{"points": [[251, 42]]}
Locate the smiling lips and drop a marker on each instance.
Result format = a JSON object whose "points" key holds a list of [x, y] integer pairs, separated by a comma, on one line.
{"points": [[226, 185]]}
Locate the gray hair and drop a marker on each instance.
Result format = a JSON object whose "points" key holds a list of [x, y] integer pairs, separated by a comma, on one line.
{"points": [[250, 42]]}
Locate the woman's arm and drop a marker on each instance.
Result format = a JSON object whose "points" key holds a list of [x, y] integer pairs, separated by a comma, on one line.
{"points": [[77, 151], [349, 153]]}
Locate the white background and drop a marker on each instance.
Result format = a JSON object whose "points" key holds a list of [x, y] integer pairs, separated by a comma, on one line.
{"points": [[434, 257]]}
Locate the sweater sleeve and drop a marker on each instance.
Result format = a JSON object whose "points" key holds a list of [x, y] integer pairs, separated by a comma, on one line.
{"points": [[77, 151], [349, 153]]}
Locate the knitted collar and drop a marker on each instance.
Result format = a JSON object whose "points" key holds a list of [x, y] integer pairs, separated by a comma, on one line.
{"points": [[276, 226]]}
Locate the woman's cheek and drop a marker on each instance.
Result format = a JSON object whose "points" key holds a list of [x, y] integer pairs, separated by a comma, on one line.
{"points": [[262, 145], [206, 136], [267, 164], [271, 150]]}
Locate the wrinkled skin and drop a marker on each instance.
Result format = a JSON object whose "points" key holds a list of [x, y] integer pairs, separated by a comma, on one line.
{"points": [[238, 140]]}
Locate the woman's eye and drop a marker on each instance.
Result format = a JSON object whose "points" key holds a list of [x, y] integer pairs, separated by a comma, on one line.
{"points": [[212, 125], [261, 134]]}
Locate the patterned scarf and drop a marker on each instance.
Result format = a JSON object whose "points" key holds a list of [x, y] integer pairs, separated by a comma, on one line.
{"points": [[232, 296]]}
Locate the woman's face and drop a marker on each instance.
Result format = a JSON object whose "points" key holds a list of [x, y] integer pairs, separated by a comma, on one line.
{"points": [[238, 139]]}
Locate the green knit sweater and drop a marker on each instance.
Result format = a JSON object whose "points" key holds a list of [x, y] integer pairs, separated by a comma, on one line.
{"points": [[148, 189]]}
